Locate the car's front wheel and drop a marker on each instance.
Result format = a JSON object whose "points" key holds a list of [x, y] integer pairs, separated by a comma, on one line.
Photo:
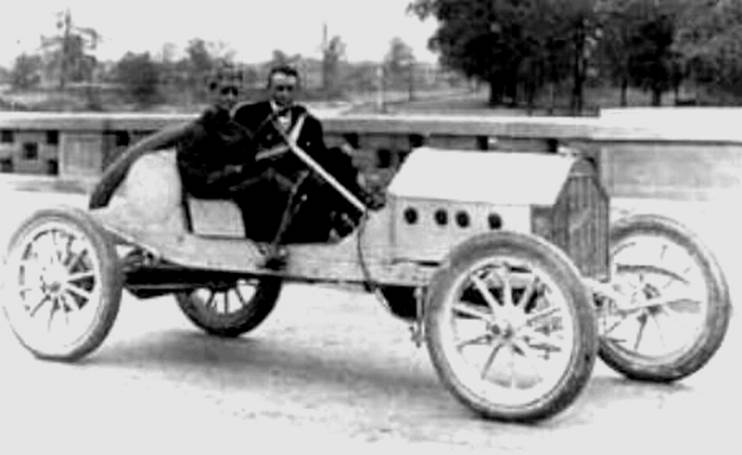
{"points": [[510, 327]]}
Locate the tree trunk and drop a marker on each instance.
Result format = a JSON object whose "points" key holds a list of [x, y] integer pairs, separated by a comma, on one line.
{"points": [[411, 82], [656, 97], [495, 97], [624, 92], [578, 70]]}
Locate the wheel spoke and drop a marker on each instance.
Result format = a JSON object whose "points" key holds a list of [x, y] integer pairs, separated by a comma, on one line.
{"points": [[76, 258], [494, 305], [511, 367], [507, 288], [38, 305], [57, 247], [660, 334], [26, 288], [239, 296], [615, 325], [491, 359], [69, 303], [642, 325], [66, 308], [479, 339], [472, 311], [544, 313], [68, 249], [528, 292], [74, 289], [226, 302], [525, 351], [537, 339], [672, 305], [79, 276], [52, 310], [210, 301]]}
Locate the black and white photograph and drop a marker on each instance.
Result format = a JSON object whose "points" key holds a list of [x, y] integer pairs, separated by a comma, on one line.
{"points": [[424, 226]]}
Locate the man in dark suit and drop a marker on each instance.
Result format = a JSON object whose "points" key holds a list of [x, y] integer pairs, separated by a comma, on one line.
{"points": [[310, 210]]}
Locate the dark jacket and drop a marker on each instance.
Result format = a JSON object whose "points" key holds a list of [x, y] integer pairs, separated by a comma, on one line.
{"points": [[258, 118], [323, 203], [204, 146], [214, 156]]}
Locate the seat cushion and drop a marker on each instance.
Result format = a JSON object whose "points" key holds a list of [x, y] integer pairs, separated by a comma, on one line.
{"points": [[215, 217]]}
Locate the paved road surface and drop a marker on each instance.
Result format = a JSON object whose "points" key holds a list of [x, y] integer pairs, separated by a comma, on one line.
{"points": [[330, 370]]}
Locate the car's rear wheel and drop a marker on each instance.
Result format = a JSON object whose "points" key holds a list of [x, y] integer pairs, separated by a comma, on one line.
{"points": [[510, 327], [233, 308], [677, 304], [64, 284]]}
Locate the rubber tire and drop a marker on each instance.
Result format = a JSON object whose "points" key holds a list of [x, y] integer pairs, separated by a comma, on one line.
{"points": [[564, 273], [717, 320], [110, 275], [232, 325]]}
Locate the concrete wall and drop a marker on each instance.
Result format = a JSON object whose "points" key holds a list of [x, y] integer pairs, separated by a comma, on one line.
{"points": [[685, 154]]}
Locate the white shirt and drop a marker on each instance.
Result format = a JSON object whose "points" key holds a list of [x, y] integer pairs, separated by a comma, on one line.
{"points": [[285, 118]]}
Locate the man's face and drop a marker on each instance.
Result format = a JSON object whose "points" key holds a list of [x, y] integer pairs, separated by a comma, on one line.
{"points": [[225, 95], [282, 89]]}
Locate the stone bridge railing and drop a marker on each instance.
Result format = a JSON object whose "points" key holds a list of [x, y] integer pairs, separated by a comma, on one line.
{"points": [[668, 153]]}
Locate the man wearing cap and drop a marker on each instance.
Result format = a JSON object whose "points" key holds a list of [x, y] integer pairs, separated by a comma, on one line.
{"points": [[204, 172]]}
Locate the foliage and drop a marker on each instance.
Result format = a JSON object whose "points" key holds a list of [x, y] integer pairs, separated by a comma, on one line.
{"points": [[67, 52], [399, 63], [710, 41], [139, 75], [26, 72], [333, 52], [512, 44]]}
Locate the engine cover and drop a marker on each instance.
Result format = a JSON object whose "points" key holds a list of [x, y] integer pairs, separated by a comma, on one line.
{"points": [[442, 197]]}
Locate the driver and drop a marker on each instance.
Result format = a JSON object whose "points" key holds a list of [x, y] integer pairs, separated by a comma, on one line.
{"points": [[319, 212]]}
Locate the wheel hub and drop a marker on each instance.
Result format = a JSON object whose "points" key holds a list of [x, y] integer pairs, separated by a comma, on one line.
{"points": [[53, 279]]}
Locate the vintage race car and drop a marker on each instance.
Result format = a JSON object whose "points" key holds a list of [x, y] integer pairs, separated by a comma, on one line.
{"points": [[504, 264]]}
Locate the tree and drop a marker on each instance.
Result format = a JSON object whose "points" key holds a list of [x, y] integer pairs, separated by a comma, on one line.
{"points": [[199, 59], [619, 24], [399, 64], [68, 50], [709, 40], [638, 44], [476, 37], [26, 72], [140, 77], [333, 52], [513, 44]]}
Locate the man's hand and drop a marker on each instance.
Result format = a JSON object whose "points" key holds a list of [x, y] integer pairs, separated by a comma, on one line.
{"points": [[233, 169], [375, 200]]}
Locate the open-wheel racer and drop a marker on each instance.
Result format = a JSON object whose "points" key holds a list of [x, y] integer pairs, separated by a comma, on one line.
{"points": [[515, 284]]}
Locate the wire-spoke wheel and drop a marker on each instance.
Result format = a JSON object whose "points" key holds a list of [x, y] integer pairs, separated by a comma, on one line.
{"points": [[675, 307], [63, 284], [231, 309], [510, 327]]}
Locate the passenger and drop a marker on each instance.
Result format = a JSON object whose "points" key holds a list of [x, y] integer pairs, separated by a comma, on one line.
{"points": [[223, 88]]}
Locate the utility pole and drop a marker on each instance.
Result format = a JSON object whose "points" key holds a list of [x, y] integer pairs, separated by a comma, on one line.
{"points": [[380, 103], [66, 25], [325, 63]]}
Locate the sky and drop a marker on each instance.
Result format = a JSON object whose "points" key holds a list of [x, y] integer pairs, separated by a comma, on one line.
{"points": [[252, 28]]}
